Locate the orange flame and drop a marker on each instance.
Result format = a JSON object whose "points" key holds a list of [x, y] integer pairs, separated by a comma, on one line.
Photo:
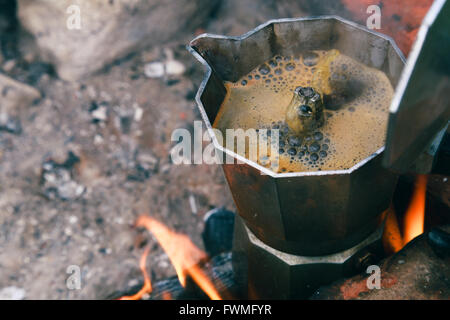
{"points": [[415, 215], [392, 238], [147, 287], [183, 254], [413, 223]]}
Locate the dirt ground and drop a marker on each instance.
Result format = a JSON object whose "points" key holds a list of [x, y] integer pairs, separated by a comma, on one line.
{"points": [[114, 130]]}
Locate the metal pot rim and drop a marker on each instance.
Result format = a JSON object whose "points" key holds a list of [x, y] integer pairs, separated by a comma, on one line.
{"points": [[248, 34]]}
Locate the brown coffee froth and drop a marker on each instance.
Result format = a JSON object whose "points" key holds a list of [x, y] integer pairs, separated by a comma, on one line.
{"points": [[356, 100]]}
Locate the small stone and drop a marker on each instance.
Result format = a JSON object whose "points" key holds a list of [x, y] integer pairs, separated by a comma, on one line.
{"points": [[154, 70], [12, 293], [73, 219], [10, 124], [138, 113], [9, 65], [98, 139], [173, 68], [147, 161], [100, 114]]}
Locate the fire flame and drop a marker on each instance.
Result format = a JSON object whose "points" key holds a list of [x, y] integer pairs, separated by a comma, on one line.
{"points": [[183, 254], [147, 288], [392, 238], [413, 223], [415, 215]]}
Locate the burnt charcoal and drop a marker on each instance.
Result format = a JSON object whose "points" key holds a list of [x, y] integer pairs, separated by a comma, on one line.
{"points": [[71, 160], [125, 124], [36, 70], [416, 272], [172, 82], [218, 233], [218, 269], [439, 240], [168, 288]]}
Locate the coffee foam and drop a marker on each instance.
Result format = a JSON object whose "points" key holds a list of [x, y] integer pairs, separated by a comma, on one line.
{"points": [[356, 100]]}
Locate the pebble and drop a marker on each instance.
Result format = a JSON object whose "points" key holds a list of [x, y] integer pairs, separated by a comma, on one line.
{"points": [[174, 68], [12, 293], [154, 70], [10, 124], [73, 219], [100, 114], [9, 65], [138, 113]]}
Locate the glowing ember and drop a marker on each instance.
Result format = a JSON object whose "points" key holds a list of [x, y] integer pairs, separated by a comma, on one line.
{"points": [[414, 219], [183, 254], [392, 238], [415, 215], [147, 288]]}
